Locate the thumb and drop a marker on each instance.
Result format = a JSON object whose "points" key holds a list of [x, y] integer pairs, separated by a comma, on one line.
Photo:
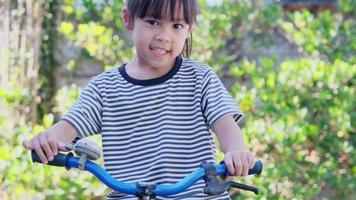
{"points": [[62, 147], [27, 144], [229, 178]]}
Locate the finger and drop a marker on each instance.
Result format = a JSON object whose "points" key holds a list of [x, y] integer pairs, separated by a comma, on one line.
{"points": [[229, 164], [245, 165], [45, 146], [62, 147], [53, 145], [27, 144], [237, 165], [251, 161], [39, 151]]}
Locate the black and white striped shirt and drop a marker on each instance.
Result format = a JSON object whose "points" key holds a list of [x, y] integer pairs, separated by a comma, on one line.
{"points": [[157, 130]]}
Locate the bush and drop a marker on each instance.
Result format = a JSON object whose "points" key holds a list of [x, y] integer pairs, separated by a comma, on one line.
{"points": [[301, 120]]}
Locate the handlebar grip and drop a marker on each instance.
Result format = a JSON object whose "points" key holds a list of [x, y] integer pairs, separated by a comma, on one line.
{"points": [[59, 160], [256, 169]]}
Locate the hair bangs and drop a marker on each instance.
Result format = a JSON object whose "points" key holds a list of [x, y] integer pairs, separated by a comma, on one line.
{"points": [[160, 9]]}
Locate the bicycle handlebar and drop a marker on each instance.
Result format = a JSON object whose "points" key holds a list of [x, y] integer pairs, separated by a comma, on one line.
{"points": [[69, 161]]}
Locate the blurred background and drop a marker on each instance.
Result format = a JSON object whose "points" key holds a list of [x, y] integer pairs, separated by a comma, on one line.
{"points": [[290, 65]]}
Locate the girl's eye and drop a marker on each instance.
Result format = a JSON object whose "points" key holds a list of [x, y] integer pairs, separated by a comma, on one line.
{"points": [[152, 22], [177, 26]]}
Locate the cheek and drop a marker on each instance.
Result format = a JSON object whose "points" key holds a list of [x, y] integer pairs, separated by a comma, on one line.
{"points": [[183, 38], [140, 39], [181, 43]]}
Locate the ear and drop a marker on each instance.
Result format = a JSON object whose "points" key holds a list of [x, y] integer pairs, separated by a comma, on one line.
{"points": [[126, 18]]}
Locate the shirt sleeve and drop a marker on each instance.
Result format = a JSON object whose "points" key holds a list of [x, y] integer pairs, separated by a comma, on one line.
{"points": [[216, 101], [86, 113]]}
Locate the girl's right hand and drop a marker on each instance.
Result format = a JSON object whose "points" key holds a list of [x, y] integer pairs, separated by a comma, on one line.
{"points": [[46, 146]]}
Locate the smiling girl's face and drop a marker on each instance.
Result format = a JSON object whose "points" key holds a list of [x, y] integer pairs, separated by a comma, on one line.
{"points": [[159, 38]]}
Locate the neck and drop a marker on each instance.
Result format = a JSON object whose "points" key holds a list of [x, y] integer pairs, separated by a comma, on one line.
{"points": [[141, 70]]}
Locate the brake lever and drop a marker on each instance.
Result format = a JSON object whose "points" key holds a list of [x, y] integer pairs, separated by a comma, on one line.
{"points": [[214, 187], [240, 186]]}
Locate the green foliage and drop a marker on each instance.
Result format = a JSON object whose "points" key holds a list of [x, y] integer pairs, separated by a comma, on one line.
{"points": [[301, 119], [96, 27], [328, 34], [48, 63], [21, 179]]}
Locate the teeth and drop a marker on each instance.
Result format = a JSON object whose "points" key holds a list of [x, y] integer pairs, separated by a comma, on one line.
{"points": [[159, 51]]}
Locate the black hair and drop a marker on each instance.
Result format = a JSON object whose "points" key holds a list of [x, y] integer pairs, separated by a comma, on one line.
{"points": [[154, 8]]}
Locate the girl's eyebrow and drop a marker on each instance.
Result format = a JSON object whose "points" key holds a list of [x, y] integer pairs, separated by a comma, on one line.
{"points": [[174, 20], [178, 20]]}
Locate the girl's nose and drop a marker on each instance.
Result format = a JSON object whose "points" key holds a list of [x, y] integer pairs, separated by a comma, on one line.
{"points": [[162, 38], [163, 35]]}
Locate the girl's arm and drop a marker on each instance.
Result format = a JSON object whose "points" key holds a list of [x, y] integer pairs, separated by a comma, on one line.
{"points": [[237, 159]]}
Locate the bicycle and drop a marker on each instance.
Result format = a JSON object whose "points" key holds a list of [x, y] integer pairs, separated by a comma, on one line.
{"points": [[89, 152]]}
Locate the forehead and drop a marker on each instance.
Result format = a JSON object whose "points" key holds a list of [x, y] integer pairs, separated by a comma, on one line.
{"points": [[164, 9], [169, 13]]}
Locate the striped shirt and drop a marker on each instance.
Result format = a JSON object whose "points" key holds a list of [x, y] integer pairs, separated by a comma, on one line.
{"points": [[154, 131]]}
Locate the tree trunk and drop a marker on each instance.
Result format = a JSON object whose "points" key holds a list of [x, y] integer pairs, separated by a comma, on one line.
{"points": [[20, 42]]}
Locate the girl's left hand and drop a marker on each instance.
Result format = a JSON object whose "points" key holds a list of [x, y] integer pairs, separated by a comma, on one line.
{"points": [[239, 162]]}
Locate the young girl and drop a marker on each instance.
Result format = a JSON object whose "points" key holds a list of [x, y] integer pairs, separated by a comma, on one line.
{"points": [[156, 112]]}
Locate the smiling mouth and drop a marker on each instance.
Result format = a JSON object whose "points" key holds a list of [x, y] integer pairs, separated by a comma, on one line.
{"points": [[159, 51]]}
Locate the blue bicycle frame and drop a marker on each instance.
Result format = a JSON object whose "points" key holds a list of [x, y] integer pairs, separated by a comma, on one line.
{"points": [[69, 161]]}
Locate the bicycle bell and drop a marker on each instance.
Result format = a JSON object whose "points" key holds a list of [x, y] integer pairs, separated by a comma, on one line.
{"points": [[86, 150]]}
